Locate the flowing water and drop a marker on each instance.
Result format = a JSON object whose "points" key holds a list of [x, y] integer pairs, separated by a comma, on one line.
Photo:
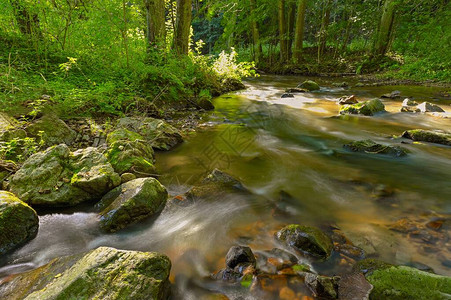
{"points": [[294, 145]]}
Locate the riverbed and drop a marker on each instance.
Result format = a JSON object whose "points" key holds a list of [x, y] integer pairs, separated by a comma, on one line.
{"points": [[289, 153]]}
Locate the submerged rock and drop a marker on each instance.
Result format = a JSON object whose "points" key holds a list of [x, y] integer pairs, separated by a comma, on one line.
{"points": [[347, 100], [158, 133], [103, 273], [129, 152], [309, 85], [19, 223], [131, 202], [340, 84], [368, 108], [295, 90], [322, 287], [369, 146], [429, 136], [287, 95], [392, 95], [306, 239], [400, 282], [240, 255], [215, 184], [52, 130], [57, 177]]}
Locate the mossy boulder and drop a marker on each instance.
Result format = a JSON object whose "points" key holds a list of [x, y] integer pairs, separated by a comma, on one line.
{"points": [[19, 223], [54, 130], [10, 128], [309, 85], [216, 183], [159, 134], [131, 202], [306, 239], [400, 282], [128, 152], [57, 177], [429, 136], [367, 108], [369, 146], [103, 273]]}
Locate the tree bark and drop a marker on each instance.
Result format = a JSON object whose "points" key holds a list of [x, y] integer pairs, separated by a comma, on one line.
{"points": [[282, 32], [322, 41], [155, 17], [183, 26], [299, 34], [291, 24], [255, 32], [385, 27]]}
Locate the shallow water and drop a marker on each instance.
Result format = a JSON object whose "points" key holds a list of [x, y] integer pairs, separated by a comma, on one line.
{"points": [[272, 145]]}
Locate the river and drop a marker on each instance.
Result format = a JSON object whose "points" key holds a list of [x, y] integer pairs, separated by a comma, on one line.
{"points": [[289, 154]]}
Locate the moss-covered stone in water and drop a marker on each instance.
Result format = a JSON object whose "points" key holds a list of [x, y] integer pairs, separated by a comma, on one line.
{"points": [[309, 85], [428, 136], [306, 239], [18, 222], [369, 265], [369, 146], [131, 202], [399, 283], [131, 156], [103, 273], [160, 135], [57, 177], [368, 108]]}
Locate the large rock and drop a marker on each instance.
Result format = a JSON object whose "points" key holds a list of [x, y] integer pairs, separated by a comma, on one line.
{"points": [[131, 202], [400, 282], [430, 136], [57, 177], [429, 107], [306, 239], [309, 85], [9, 128], [19, 223], [158, 133], [239, 255], [128, 152], [52, 130], [217, 183], [368, 108], [392, 95], [369, 146], [103, 273]]}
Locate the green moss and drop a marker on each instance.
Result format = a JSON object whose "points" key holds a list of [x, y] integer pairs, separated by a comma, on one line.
{"points": [[367, 108], [133, 157], [367, 266], [428, 136], [309, 85], [399, 283], [18, 222], [306, 239], [123, 134], [369, 146]]}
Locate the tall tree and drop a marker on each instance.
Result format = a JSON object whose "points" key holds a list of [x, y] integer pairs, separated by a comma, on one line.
{"points": [[155, 17], [322, 35], [255, 32], [385, 27], [282, 31], [299, 32], [291, 24], [183, 26]]}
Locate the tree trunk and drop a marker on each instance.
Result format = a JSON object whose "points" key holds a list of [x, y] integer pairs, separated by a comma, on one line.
{"points": [[385, 27], [183, 26], [255, 33], [322, 41], [291, 24], [299, 35], [155, 17], [282, 32], [28, 23]]}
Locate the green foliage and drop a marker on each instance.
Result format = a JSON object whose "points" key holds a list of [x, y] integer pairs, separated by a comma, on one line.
{"points": [[19, 149]]}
